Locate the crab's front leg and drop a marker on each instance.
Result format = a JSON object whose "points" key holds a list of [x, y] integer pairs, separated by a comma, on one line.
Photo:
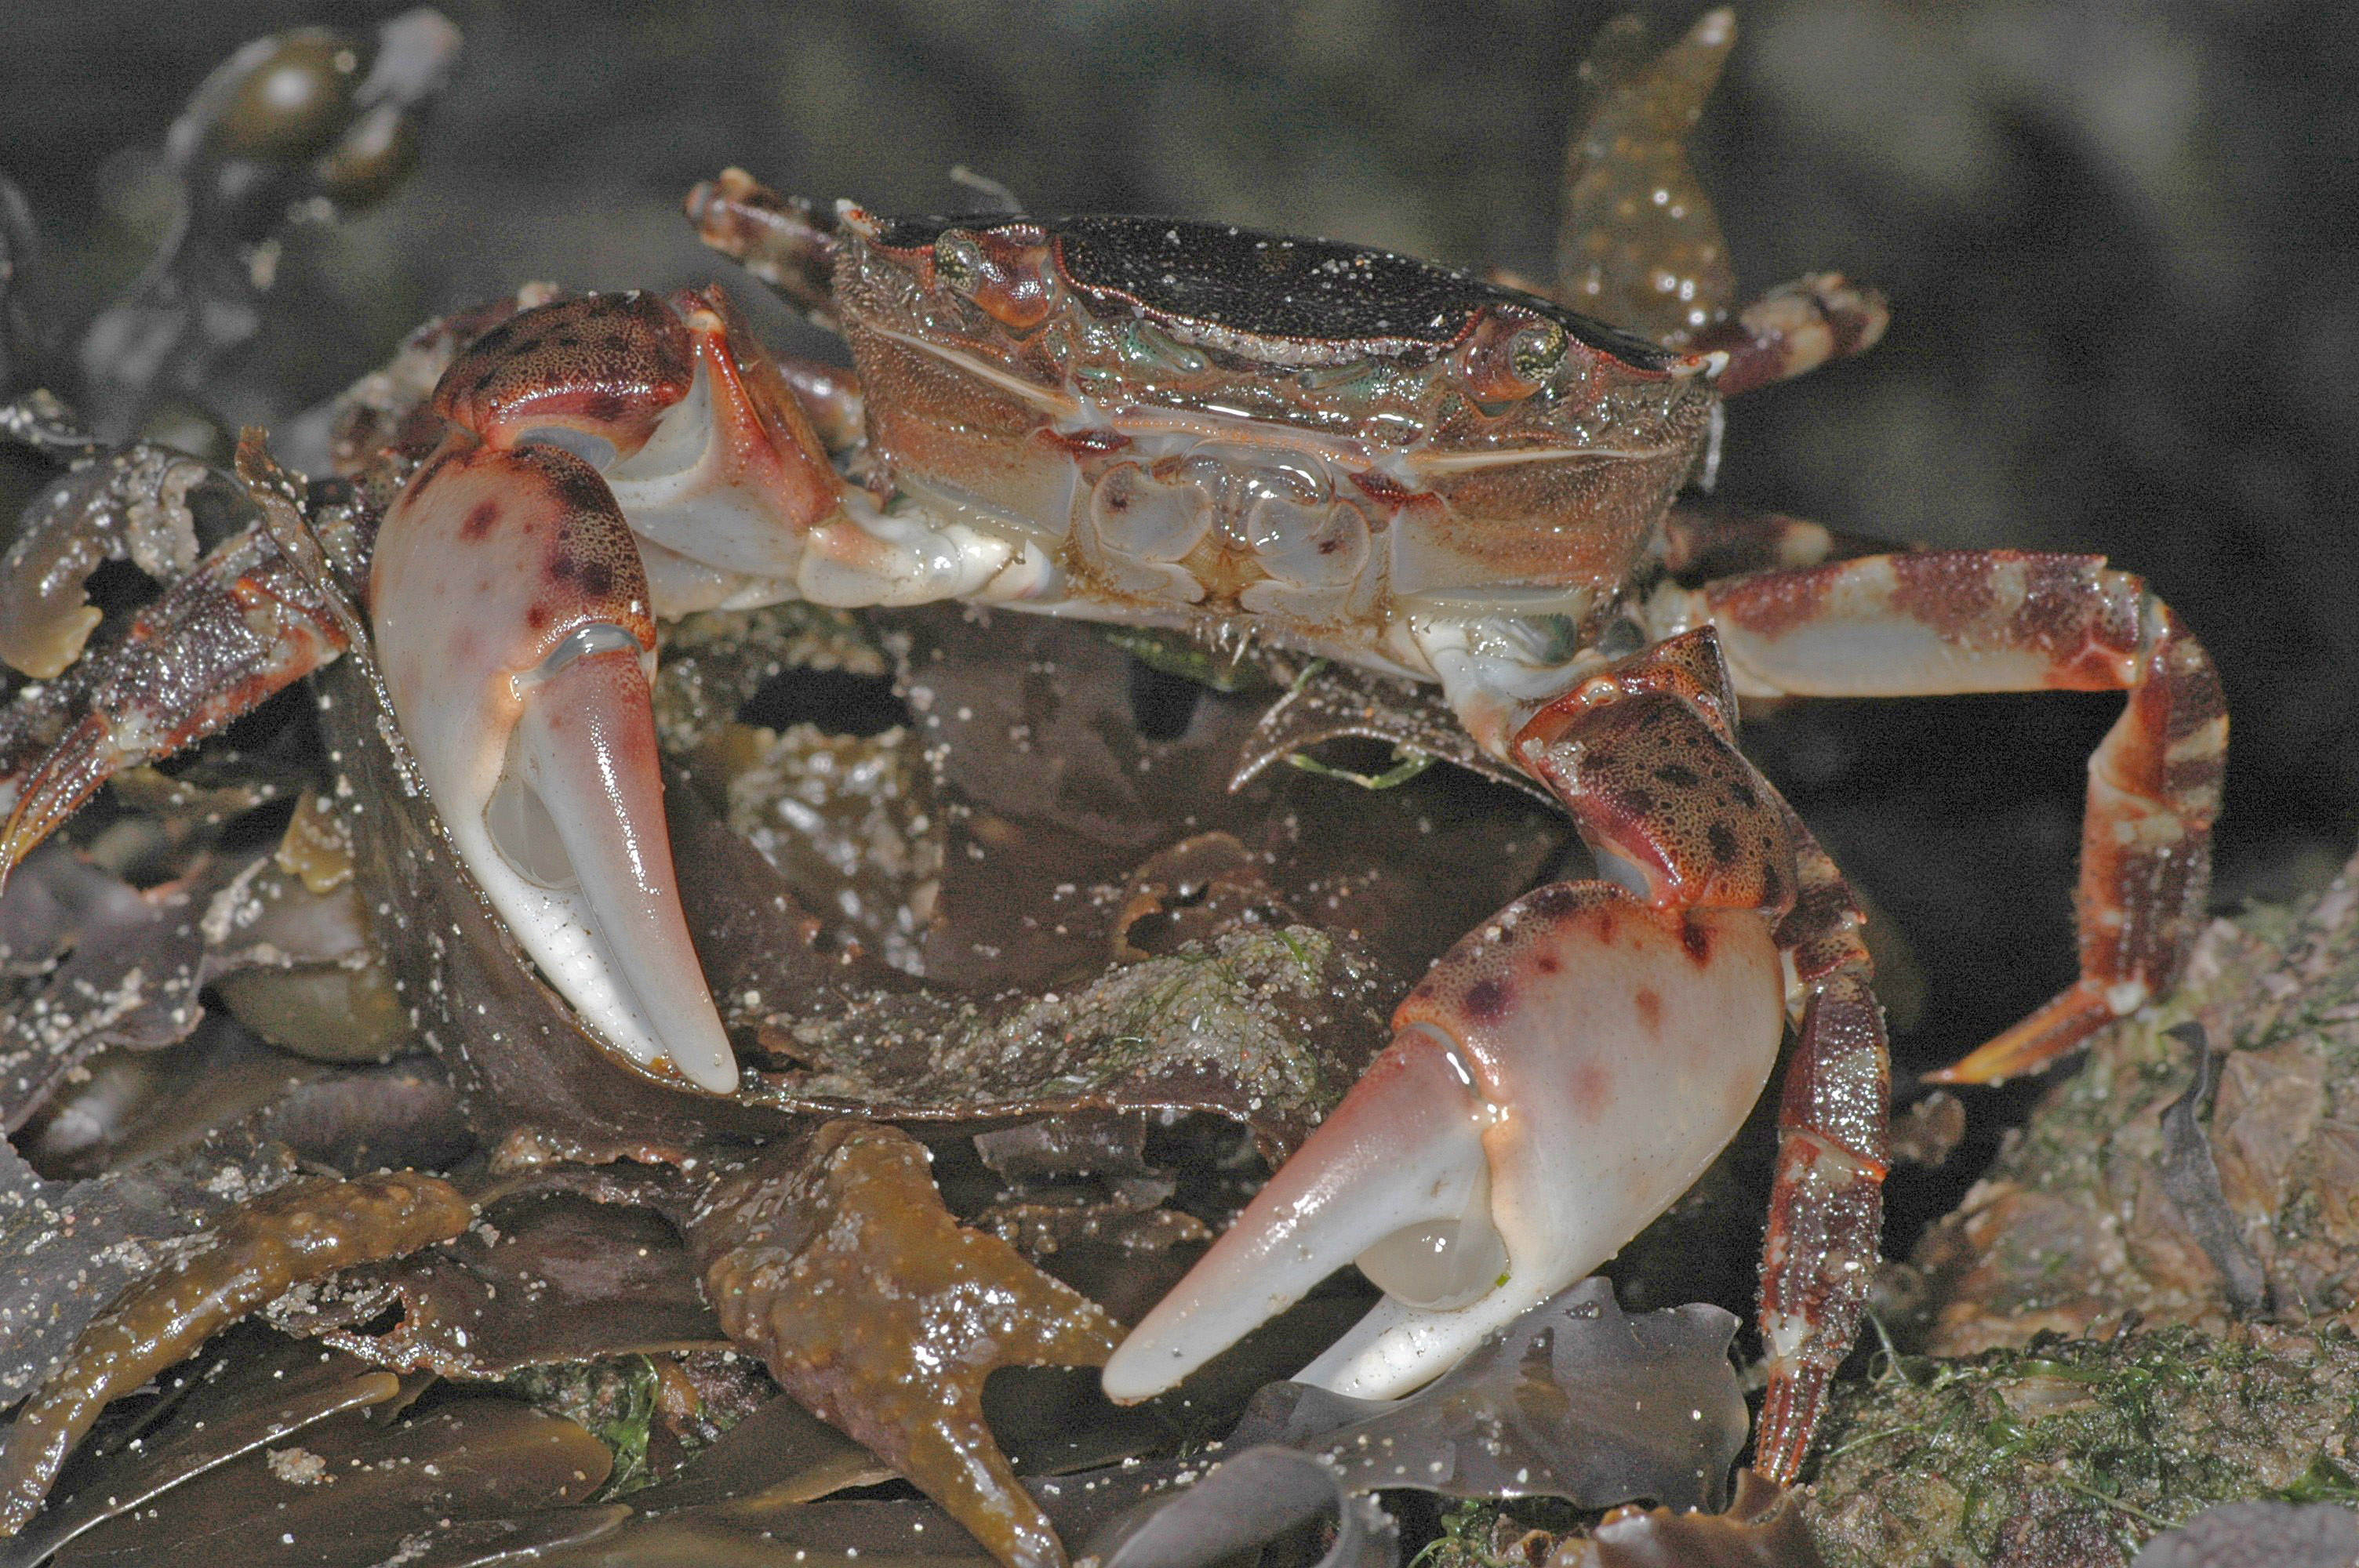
{"points": [[515, 636], [1676, 809], [1556, 1081], [1571, 1067], [726, 482]]}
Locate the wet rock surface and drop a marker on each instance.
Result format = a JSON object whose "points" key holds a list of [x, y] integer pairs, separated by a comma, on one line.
{"points": [[2082, 1222], [2055, 1417], [2077, 1449]]}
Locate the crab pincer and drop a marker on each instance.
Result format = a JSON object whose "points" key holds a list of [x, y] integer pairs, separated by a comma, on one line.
{"points": [[244, 623], [1554, 1083], [1559, 1078], [514, 629], [607, 460]]}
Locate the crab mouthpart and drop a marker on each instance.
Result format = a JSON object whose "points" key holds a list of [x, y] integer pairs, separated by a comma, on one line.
{"points": [[1555, 1082]]}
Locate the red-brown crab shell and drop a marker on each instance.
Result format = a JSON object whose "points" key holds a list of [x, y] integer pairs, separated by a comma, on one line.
{"points": [[1204, 421]]}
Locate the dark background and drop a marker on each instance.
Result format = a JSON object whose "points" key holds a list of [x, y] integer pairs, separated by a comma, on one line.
{"points": [[2117, 238]]}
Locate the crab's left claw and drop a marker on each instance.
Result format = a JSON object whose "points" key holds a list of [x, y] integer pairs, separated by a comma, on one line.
{"points": [[1553, 1083], [513, 627]]}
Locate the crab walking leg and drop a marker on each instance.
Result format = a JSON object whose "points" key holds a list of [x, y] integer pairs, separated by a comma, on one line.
{"points": [[1562, 1075], [2006, 621], [513, 627], [243, 625], [1826, 1205], [1793, 329], [1644, 756], [1709, 540]]}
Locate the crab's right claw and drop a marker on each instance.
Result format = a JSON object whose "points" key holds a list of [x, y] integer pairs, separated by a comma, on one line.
{"points": [[1553, 1083], [513, 626], [699, 441]]}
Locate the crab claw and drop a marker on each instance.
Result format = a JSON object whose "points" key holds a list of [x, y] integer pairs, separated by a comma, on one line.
{"points": [[684, 414], [1553, 1083], [513, 627]]}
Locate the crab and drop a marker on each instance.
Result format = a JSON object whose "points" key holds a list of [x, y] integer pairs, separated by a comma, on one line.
{"points": [[1229, 433]]}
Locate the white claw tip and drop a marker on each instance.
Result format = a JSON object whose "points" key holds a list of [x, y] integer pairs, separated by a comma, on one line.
{"points": [[706, 1063]]}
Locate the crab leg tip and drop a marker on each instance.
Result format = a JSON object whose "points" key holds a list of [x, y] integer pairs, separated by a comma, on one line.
{"points": [[2047, 1034]]}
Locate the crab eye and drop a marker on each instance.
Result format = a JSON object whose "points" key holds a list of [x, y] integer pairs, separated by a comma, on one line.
{"points": [[1003, 271], [1510, 356], [1535, 351], [957, 261]]}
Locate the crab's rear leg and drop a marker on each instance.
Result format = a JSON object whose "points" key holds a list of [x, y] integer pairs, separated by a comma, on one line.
{"points": [[246, 623], [1705, 541], [1792, 329], [1571, 1067], [2006, 621], [1639, 245]]}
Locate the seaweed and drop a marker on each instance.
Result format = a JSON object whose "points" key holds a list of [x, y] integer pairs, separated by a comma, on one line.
{"points": [[835, 1262], [296, 1233], [249, 1397], [471, 1479]]}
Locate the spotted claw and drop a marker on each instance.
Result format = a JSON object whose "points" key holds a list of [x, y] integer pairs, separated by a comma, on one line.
{"points": [[512, 622], [1553, 1083], [685, 418]]}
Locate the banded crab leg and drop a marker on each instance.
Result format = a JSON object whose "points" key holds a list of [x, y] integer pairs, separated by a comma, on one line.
{"points": [[1826, 1208], [1569, 1068], [1639, 244], [244, 624], [1826, 1202], [1706, 541], [1938, 622], [1793, 329]]}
